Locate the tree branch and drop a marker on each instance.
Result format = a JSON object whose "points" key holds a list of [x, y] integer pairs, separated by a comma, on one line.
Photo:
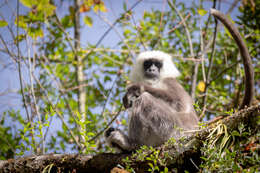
{"points": [[182, 157]]}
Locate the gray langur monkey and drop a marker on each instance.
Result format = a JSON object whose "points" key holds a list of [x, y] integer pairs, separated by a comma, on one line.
{"points": [[159, 107]]}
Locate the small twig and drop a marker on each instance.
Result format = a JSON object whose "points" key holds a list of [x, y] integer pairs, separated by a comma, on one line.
{"points": [[7, 51], [232, 6], [180, 23], [108, 96], [203, 54], [75, 87], [66, 34], [111, 27], [117, 32], [209, 71], [185, 27], [31, 69], [223, 71], [139, 35], [108, 124], [161, 23]]}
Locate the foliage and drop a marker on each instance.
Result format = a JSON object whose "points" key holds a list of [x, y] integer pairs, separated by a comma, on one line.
{"points": [[235, 151], [153, 156], [50, 120]]}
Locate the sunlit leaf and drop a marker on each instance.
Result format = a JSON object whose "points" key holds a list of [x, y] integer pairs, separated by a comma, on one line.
{"points": [[35, 32], [124, 6], [84, 8], [88, 21], [202, 12], [46, 8], [89, 2], [102, 7], [22, 22], [96, 8], [28, 3], [66, 21], [3, 23], [201, 86], [19, 38]]}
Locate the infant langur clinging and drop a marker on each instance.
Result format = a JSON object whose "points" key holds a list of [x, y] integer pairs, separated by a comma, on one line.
{"points": [[158, 105]]}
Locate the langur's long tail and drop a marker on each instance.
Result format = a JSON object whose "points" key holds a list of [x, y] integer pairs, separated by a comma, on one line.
{"points": [[248, 67]]}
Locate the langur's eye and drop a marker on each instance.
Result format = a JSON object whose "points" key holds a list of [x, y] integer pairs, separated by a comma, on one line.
{"points": [[158, 64], [147, 64]]}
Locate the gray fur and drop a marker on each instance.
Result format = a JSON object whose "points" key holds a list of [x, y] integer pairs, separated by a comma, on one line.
{"points": [[158, 109]]}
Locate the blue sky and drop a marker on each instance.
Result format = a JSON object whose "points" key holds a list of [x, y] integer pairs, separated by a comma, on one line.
{"points": [[9, 74]]}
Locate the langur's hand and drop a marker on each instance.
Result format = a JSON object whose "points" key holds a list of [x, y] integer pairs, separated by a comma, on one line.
{"points": [[133, 92]]}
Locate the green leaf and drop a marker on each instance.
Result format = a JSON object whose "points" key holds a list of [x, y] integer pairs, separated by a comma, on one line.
{"points": [[88, 21], [47, 9], [35, 32], [202, 12], [3, 23], [28, 3], [227, 32], [124, 6], [22, 22], [102, 7]]}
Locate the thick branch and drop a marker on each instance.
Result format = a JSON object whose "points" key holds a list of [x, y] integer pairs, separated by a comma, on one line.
{"points": [[183, 157]]}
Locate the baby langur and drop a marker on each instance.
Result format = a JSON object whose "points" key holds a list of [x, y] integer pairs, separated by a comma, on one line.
{"points": [[158, 105]]}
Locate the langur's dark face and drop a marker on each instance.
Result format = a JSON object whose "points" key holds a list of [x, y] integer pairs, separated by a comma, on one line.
{"points": [[152, 68]]}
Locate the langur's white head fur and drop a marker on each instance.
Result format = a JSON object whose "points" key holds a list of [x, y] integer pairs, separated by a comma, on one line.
{"points": [[168, 69]]}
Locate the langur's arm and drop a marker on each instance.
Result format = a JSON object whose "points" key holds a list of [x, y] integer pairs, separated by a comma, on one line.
{"points": [[163, 94], [135, 90]]}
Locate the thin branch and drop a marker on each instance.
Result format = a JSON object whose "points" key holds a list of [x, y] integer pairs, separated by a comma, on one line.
{"points": [[138, 32], [117, 32], [202, 47], [108, 124], [223, 71], [31, 71], [233, 5], [161, 23], [21, 79], [115, 22], [180, 23], [185, 27], [209, 71], [68, 38], [111, 27], [7, 51]]}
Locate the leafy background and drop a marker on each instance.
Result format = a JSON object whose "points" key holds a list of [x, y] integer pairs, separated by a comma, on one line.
{"points": [[69, 62]]}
